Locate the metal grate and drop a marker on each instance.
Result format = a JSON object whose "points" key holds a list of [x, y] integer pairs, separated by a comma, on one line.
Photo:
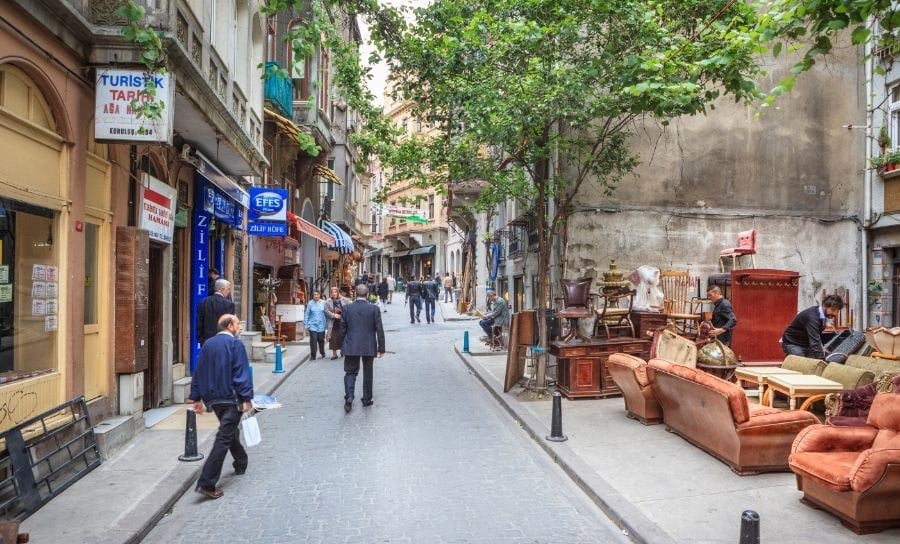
{"points": [[44, 456]]}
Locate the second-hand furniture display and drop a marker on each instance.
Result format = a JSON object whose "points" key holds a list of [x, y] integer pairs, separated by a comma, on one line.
{"points": [[796, 386], [873, 364], [850, 408], [581, 367], [759, 375], [854, 472], [647, 322], [630, 375], [746, 247], [765, 302], [680, 303], [668, 346], [714, 415], [576, 304], [804, 365], [614, 303]]}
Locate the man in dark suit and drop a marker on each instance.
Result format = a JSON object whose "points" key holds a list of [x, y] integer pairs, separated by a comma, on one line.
{"points": [[414, 293], [431, 294], [211, 309], [363, 341], [803, 335]]}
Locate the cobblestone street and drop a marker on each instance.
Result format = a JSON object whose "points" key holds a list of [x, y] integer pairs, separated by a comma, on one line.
{"points": [[434, 460]]}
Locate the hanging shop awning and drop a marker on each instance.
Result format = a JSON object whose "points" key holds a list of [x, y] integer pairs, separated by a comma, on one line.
{"points": [[422, 250], [327, 173], [403, 253], [284, 124], [309, 229], [342, 241], [372, 252]]}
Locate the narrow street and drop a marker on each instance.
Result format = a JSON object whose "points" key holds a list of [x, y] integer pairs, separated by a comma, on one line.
{"points": [[434, 460]]}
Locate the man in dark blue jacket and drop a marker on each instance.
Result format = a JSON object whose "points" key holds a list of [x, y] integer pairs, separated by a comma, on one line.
{"points": [[804, 335], [363, 340], [212, 308], [222, 382]]}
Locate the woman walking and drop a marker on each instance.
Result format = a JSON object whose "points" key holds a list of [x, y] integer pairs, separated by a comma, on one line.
{"points": [[316, 325], [333, 308]]}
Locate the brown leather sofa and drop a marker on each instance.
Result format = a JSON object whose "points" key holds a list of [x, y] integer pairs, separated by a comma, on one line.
{"points": [[630, 375], [854, 472], [713, 414]]}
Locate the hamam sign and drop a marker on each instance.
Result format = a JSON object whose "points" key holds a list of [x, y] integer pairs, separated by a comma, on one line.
{"points": [[158, 209], [114, 117]]}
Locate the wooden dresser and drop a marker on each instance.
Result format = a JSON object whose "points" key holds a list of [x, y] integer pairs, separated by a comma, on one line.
{"points": [[645, 322], [581, 370]]}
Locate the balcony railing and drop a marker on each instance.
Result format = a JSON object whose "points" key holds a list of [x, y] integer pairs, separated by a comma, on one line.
{"points": [[279, 90]]}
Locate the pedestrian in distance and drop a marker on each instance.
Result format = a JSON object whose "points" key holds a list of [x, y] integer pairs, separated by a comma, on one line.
{"points": [[222, 383], [498, 316], [333, 309], [432, 293], [316, 324], [414, 294], [383, 293], [392, 286], [448, 288], [211, 309], [804, 335], [363, 341], [211, 276], [723, 319]]}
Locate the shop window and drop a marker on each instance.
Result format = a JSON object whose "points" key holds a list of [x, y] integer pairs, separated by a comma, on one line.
{"points": [[29, 290]]}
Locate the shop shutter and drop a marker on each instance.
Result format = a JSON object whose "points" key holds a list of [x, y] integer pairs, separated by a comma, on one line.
{"points": [[132, 299]]}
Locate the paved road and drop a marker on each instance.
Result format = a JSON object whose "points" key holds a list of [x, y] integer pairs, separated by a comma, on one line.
{"points": [[434, 460]]}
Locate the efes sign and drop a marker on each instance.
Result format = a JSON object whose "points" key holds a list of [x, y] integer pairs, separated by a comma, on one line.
{"points": [[268, 212]]}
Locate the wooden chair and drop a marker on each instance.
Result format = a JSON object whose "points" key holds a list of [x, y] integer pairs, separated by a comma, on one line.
{"points": [[682, 309], [576, 305], [270, 334], [746, 246], [613, 311]]}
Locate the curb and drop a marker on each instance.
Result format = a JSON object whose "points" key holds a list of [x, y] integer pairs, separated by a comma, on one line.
{"points": [[628, 517], [145, 528]]}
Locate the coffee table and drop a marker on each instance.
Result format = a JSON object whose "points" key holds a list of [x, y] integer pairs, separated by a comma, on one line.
{"points": [[760, 375], [811, 387]]}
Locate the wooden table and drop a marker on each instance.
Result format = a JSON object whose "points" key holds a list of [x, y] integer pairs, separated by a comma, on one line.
{"points": [[801, 385], [581, 366], [760, 375]]}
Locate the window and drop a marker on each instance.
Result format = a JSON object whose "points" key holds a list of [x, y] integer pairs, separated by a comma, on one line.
{"points": [[431, 208], [324, 84], [298, 68], [894, 113]]}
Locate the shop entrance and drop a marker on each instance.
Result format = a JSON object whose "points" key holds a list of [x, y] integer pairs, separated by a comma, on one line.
{"points": [[153, 374], [260, 272]]}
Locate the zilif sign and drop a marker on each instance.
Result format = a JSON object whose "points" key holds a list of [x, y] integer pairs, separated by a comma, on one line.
{"points": [[158, 205], [117, 94], [268, 212]]}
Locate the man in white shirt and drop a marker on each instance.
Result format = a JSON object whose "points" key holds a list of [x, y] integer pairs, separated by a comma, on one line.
{"points": [[392, 285]]}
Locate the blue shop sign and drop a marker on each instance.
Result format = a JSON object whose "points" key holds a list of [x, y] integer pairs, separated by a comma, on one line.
{"points": [[215, 202], [262, 228], [268, 212]]}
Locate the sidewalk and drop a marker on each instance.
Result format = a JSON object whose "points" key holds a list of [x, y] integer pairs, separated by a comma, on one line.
{"points": [[123, 498], [449, 313], [655, 484]]}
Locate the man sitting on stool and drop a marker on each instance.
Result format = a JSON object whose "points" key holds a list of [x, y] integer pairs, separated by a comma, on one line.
{"points": [[497, 317]]}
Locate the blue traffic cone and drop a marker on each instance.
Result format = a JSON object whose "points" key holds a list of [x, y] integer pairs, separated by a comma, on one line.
{"points": [[279, 369], [465, 341]]}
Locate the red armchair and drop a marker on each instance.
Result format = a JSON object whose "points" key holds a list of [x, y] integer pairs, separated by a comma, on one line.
{"points": [[853, 472], [630, 375], [851, 408]]}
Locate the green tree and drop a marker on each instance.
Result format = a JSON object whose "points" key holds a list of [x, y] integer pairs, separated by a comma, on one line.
{"points": [[514, 84]]}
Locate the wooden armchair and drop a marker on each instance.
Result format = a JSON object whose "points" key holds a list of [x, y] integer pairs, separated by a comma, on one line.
{"points": [[682, 309], [613, 311]]}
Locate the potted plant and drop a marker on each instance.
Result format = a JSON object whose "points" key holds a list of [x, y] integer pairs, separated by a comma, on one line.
{"points": [[878, 163], [884, 139]]}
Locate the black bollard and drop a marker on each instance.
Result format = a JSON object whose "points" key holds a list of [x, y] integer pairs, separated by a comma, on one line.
{"points": [[749, 527], [556, 434], [190, 438]]}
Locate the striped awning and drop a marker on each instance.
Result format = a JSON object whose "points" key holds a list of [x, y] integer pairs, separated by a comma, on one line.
{"points": [[342, 241]]}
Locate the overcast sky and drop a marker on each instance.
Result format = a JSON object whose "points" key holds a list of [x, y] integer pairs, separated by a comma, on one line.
{"points": [[379, 71]]}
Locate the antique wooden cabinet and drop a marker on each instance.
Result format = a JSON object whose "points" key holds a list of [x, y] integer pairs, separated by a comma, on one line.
{"points": [[646, 322], [581, 366]]}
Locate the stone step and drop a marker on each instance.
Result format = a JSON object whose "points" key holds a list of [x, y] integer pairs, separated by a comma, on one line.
{"points": [[181, 390], [114, 433], [258, 350]]}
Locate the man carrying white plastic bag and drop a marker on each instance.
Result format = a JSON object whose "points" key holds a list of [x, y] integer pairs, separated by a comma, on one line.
{"points": [[222, 382]]}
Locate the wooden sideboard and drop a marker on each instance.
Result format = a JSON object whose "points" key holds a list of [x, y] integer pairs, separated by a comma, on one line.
{"points": [[645, 322], [581, 366]]}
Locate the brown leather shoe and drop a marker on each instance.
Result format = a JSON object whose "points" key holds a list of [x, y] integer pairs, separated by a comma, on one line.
{"points": [[211, 493]]}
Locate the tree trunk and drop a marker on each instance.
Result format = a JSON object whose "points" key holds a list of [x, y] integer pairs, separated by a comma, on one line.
{"points": [[540, 211]]}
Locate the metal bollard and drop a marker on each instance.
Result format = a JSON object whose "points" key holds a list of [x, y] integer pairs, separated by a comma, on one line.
{"points": [[190, 438], [279, 369], [465, 341], [556, 434], [749, 527]]}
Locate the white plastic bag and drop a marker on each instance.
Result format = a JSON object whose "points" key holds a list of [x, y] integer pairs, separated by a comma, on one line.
{"points": [[250, 431]]}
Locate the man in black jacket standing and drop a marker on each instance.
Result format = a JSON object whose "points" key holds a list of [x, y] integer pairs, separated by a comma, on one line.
{"points": [[804, 335], [723, 319], [222, 382], [414, 292], [431, 292], [363, 341], [211, 309]]}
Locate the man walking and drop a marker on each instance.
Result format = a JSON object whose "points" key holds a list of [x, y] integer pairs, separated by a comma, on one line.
{"points": [[723, 319], [448, 288], [363, 341], [432, 293], [211, 309], [414, 292], [804, 335], [498, 316], [392, 286], [222, 382]]}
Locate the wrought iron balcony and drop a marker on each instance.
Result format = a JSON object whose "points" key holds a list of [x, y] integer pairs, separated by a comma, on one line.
{"points": [[279, 90]]}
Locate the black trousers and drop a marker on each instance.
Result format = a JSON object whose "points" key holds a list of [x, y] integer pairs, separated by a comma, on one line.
{"points": [[351, 369], [429, 309], [415, 307], [316, 339], [227, 439]]}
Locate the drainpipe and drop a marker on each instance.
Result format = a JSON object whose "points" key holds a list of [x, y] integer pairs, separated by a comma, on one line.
{"points": [[867, 188]]}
